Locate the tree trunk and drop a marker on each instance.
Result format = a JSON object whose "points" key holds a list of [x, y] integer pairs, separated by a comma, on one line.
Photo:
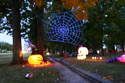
{"points": [[17, 54], [122, 46], [113, 48], [61, 49], [102, 51], [40, 38], [94, 46], [40, 32]]}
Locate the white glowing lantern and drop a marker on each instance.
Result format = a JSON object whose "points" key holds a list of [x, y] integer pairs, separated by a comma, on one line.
{"points": [[82, 52], [100, 58], [47, 53]]}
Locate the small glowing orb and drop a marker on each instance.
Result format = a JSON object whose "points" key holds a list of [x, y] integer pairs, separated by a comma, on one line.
{"points": [[35, 59], [47, 53], [100, 58], [98, 51], [106, 15], [92, 57], [82, 52], [58, 53]]}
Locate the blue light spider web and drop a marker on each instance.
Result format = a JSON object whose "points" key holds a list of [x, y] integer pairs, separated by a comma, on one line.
{"points": [[64, 27]]}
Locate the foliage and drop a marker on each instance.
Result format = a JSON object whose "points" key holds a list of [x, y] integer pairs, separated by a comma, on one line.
{"points": [[5, 46], [105, 23], [105, 18], [80, 7], [38, 3], [5, 16]]}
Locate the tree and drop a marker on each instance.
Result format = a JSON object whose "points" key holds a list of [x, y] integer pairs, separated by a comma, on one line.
{"points": [[5, 46], [5, 18], [80, 7], [36, 30], [10, 22], [102, 26], [114, 28], [17, 54]]}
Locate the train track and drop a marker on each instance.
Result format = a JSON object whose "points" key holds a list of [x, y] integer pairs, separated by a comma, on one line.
{"points": [[80, 72]]}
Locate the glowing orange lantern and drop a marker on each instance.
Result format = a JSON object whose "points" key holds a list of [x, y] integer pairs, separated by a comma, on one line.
{"points": [[35, 59]]}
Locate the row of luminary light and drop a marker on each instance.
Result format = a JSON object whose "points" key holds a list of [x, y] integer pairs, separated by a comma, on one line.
{"points": [[100, 58], [82, 52]]}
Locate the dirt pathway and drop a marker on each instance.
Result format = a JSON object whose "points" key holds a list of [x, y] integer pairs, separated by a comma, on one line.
{"points": [[67, 75]]}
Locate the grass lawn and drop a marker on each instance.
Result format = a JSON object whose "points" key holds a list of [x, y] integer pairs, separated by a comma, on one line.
{"points": [[16, 73], [115, 71]]}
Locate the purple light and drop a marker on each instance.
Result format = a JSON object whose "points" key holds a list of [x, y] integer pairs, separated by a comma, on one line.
{"points": [[64, 27]]}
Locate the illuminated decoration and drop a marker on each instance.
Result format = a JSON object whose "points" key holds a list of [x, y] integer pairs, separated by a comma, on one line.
{"points": [[21, 55], [122, 58], [117, 59], [35, 59], [58, 53], [66, 55], [93, 57], [44, 64], [100, 58], [82, 52], [64, 27], [31, 45], [47, 53]]}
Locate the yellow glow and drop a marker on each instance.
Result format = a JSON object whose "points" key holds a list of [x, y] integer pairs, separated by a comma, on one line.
{"points": [[58, 53], [35, 59], [47, 53], [81, 57], [44, 64]]}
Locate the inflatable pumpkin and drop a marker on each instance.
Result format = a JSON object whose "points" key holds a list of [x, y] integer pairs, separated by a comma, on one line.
{"points": [[35, 59]]}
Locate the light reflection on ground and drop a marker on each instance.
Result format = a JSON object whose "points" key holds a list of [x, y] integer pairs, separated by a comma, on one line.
{"points": [[97, 60], [44, 64]]}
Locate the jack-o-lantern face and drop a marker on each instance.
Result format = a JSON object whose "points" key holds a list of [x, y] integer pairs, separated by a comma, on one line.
{"points": [[35, 59]]}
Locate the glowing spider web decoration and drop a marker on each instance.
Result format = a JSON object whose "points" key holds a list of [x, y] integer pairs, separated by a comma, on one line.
{"points": [[64, 27]]}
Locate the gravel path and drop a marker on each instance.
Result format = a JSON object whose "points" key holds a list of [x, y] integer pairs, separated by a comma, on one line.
{"points": [[67, 75]]}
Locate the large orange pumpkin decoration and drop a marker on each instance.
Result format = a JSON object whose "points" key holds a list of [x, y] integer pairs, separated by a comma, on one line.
{"points": [[35, 59]]}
